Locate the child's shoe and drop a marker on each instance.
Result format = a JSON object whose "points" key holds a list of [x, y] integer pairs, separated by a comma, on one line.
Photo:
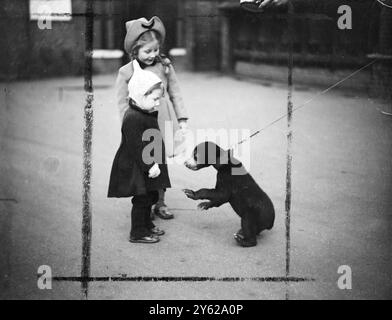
{"points": [[163, 212], [146, 239], [157, 232]]}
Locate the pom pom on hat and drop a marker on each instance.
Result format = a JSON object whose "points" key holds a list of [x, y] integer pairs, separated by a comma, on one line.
{"points": [[141, 82], [136, 27]]}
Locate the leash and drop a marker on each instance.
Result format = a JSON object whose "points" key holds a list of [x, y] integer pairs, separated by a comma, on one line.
{"points": [[302, 105]]}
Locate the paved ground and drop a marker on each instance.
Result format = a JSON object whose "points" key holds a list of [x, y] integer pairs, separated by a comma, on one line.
{"points": [[340, 208]]}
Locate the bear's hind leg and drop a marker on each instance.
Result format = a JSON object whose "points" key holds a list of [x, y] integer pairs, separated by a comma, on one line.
{"points": [[246, 236]]}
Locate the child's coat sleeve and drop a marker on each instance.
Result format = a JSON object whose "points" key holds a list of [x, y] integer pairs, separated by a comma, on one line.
{"points": [[121, 86], [175, 95]]}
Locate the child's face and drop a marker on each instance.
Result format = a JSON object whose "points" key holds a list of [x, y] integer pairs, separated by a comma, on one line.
{"points": [[151, 101], [148, 52]]}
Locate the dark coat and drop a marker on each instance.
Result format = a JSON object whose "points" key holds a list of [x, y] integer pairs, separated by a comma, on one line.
{"points": [[129, 175]]}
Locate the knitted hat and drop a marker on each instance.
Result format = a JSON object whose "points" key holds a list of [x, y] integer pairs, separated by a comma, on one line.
{"points": [[136, 27], [141, 82]]}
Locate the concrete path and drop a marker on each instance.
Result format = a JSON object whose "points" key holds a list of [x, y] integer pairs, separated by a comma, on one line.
{"points": [[341, 196]]}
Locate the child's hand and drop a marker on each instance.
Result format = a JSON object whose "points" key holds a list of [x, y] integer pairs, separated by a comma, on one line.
{"points": [[183, 125], [154, 171]]}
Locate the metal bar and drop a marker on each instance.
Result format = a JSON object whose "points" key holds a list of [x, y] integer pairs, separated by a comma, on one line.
{"points": [[87, 142], [289, 140]]}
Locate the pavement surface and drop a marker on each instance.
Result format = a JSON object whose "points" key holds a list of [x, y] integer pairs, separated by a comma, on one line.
{"points": [[341, 196]]}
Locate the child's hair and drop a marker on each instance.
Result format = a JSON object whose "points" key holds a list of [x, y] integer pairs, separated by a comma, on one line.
{"points": [[147, 37]]}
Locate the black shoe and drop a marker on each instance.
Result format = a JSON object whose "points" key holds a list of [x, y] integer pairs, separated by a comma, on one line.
{"points": [[158, 232], [163, 212], [146, 239]]}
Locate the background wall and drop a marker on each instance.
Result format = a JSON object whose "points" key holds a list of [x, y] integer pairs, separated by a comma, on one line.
{"points": [[29, 52]]}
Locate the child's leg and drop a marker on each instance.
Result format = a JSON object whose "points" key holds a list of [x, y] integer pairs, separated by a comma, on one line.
{"points": [[152, 199], [161, 198], [161, 209], [141, 205]]}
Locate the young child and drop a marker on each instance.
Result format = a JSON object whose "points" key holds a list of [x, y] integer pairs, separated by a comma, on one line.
{"points": [[135, 172], [143, 42]]}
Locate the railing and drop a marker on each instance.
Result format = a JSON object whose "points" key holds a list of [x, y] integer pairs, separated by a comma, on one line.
{"points": [[316, 41]]}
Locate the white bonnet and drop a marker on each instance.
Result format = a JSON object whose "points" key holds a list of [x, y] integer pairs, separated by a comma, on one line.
{"points": [[141, 82]]}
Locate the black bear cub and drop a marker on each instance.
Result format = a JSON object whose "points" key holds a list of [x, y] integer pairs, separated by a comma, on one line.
{"points": [[236, 186]]}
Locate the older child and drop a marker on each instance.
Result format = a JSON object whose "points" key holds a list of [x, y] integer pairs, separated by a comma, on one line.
{"points": [[135, 172], [143, 42]]}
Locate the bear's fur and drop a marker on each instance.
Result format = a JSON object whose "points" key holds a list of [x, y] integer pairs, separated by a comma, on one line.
{"points": [[236, 186]]}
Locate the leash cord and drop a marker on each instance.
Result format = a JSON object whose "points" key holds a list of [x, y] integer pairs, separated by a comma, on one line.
{"points": [[304, 104]]}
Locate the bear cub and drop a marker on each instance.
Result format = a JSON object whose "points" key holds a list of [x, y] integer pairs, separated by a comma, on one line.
{"points": [[236, 186]]}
